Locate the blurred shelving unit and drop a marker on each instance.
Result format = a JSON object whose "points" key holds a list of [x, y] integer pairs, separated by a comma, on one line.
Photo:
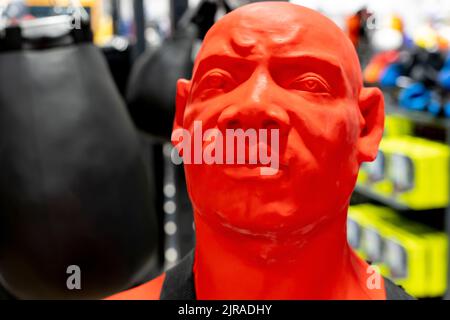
{"points": [[366, 192], [418, 118]]}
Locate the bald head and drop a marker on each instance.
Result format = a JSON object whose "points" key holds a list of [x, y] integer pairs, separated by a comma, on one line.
{"points": [[288, 68], [279, 29]]}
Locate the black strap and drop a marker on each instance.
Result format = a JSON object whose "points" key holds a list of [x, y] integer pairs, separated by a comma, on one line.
{"points": [[395, 292], [179, 281]]}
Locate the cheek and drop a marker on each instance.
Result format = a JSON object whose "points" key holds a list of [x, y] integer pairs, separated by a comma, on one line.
{"points": [[207, 111], [328, 137], [328, 131], [340, 142]]}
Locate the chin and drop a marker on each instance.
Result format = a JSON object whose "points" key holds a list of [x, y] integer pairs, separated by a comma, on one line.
{"points": [[250, 217], [290, 204]]}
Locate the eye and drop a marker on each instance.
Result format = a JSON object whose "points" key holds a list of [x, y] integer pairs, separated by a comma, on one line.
{"points": [[216, 80], [310, 83], [214, 83]]}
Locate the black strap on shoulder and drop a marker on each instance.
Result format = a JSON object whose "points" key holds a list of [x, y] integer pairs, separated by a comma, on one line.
{"points": [[395, 292], [179, 281]]}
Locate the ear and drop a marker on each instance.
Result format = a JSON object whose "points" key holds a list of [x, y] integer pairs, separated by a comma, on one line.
{"points": [[183, 88], [371, 105]]}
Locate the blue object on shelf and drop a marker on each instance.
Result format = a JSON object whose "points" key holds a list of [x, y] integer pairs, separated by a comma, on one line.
{"points": [[415, 97], [389, 76], [434, 107], [444, 74], [447, 110], [444, 78]]}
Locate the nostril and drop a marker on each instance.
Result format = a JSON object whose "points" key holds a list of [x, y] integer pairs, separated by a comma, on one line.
{"points": [[270, 124]]}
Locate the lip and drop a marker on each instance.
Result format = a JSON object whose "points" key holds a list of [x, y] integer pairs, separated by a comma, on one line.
{"points": [[252, 172]]}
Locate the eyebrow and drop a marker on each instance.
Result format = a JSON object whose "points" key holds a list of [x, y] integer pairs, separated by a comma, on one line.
{"points": [[220, 61], [323, 64], [322, 61]]}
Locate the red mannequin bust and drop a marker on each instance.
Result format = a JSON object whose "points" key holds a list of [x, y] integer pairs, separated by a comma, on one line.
{"points": [[282, 235]]}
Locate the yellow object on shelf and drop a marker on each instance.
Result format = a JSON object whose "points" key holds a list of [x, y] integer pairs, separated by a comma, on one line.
{"points": [[395, 125], [416, 257], [409, 253], [373, 175], [365, 217], [418, 170], [411, 171]]}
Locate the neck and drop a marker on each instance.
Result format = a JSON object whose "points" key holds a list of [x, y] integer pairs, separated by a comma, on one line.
{"points": [[311, 264]]}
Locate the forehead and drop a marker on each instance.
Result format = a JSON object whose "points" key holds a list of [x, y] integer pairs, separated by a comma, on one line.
{"points": [[265, 30]]}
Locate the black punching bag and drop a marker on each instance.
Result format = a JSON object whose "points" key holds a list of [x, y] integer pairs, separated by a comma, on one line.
{"points": [[74, 190], [152, 85], [153, 80]]}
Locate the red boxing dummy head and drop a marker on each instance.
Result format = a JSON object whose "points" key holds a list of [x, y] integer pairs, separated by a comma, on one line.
{"points": [[280, 84]]}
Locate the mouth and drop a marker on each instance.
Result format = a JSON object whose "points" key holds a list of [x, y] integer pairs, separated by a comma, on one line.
{"points": [[254, 172]]}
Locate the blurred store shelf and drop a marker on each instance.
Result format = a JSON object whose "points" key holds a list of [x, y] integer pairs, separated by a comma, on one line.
{"points": [[418, 117], [368, 193]]}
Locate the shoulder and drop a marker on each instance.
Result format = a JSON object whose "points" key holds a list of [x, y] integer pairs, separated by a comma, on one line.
{"points": [[148, 291], [175, 284]]}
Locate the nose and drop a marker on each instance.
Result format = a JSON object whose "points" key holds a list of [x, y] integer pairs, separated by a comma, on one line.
{"points": [[255, 116]]}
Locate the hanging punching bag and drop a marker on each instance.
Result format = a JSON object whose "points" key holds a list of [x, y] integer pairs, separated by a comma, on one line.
{"points": [[76, 203], [152, 85]]}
